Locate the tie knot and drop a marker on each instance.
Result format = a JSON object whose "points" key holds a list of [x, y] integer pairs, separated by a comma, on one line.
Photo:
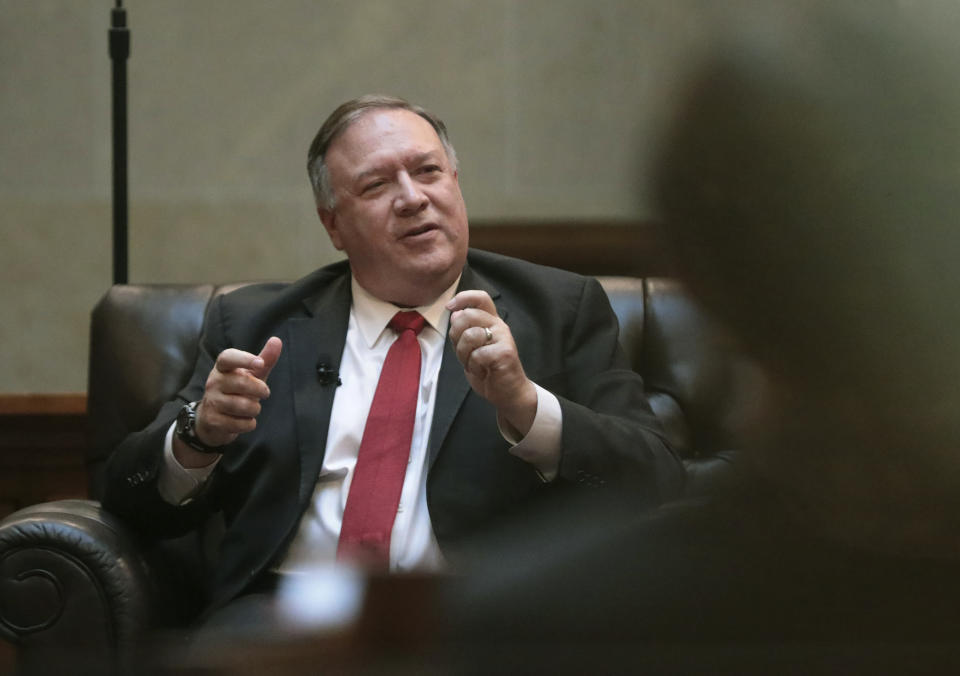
{"points": [[407, 320]]}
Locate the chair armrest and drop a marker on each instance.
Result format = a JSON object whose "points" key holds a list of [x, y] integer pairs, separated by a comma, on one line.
{"points": [[74, 588]]}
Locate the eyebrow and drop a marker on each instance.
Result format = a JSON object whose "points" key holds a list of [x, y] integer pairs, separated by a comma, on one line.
{"points": [[415, 159]]}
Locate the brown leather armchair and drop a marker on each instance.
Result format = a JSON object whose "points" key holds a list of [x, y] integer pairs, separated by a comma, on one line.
{"points": [[78, 589]]}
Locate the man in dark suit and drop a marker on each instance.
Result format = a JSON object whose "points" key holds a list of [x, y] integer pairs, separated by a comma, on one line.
{"points": [[530, 395]]}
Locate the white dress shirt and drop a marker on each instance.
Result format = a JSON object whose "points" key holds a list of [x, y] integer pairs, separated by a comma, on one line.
{"points": [[413, 545]]}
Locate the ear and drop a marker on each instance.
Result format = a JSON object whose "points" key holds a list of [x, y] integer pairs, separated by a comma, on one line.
{"points": [[329, 219]]}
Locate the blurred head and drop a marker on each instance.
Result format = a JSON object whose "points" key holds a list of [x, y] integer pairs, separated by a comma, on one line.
{"points": [[811, 189], [388, 194]]}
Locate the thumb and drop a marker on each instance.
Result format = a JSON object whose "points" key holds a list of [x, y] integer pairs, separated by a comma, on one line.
{"points": [[269, 356]]}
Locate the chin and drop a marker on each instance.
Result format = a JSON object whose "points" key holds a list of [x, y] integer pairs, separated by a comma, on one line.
{"points": [[426, 284]]}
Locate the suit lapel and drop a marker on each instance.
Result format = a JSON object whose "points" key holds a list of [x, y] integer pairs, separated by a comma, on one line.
{"points": [[321, 335], [452, 385], [318, 337]]}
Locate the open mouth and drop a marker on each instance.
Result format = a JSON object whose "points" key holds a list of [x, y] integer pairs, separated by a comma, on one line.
{"points": [[421, 230]]}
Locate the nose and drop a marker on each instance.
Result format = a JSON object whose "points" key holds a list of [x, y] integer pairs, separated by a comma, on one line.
{"points": [[411, 199]]}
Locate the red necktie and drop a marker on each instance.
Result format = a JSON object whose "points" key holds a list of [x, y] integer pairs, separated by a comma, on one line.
{"points": [[384, 450]]}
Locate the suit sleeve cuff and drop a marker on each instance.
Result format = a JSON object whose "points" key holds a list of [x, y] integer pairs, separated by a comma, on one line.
{"points": [[541, 445], [176, 483]]}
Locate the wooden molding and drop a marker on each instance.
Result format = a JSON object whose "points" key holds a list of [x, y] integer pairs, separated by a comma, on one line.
{"points": [[590, 248], [42, 448], [44, 404]]}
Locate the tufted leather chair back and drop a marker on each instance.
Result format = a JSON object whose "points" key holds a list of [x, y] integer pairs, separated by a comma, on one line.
{"points": [[700, 385], [143, 343], [144, 337]]}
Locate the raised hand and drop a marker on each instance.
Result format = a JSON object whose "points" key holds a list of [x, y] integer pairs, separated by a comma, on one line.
{"points": [[231, 399], [488, 353]]}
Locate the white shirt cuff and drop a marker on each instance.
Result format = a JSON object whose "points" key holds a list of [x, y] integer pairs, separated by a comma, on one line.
{"points": [[541, 446], [178, 484]]}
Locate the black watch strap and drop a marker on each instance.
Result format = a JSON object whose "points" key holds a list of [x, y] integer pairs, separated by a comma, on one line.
{"points": [[186, 429]]}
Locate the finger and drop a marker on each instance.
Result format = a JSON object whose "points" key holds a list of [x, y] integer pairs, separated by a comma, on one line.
{"points": [[222, 425], [473, 298], [231, 359], [472, 339], [215, 427], [241, 383], [461, 320], [270, 354], [493, 364], [233, 406]]}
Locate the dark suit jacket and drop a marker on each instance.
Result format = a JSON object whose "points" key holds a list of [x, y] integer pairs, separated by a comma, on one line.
{"points": [[567, 338]]}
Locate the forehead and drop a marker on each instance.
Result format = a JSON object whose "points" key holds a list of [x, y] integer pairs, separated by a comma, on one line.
{"points": [[380, 135]]}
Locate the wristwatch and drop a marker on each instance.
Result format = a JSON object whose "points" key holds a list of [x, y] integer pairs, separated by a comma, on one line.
{"points": [[187, 429]]}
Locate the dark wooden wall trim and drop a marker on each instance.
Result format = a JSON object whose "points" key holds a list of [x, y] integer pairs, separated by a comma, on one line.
{"points": [[590, 248], [43, 404], [42, 444]]}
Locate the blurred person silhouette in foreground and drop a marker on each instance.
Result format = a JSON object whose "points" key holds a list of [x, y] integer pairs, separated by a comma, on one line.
{"points": [[810, 189]]}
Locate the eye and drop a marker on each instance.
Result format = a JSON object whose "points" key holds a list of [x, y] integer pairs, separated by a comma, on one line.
{"points": [[372, 185], [429, 169]]}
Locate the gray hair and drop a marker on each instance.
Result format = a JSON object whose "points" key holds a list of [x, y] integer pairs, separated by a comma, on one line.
{"points": [[345, 115]]}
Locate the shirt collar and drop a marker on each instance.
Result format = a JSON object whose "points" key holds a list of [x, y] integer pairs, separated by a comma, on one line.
{"points": [[373, 314]]}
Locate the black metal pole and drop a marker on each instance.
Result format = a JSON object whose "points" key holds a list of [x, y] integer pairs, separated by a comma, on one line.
{"points": [[119, 52]]}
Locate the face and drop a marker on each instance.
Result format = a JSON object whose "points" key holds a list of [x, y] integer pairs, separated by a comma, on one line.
{"points": [[399, 214]]}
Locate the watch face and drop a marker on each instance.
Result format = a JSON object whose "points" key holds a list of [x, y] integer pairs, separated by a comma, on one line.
{"points": [[185, 421], [186, 429]]}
